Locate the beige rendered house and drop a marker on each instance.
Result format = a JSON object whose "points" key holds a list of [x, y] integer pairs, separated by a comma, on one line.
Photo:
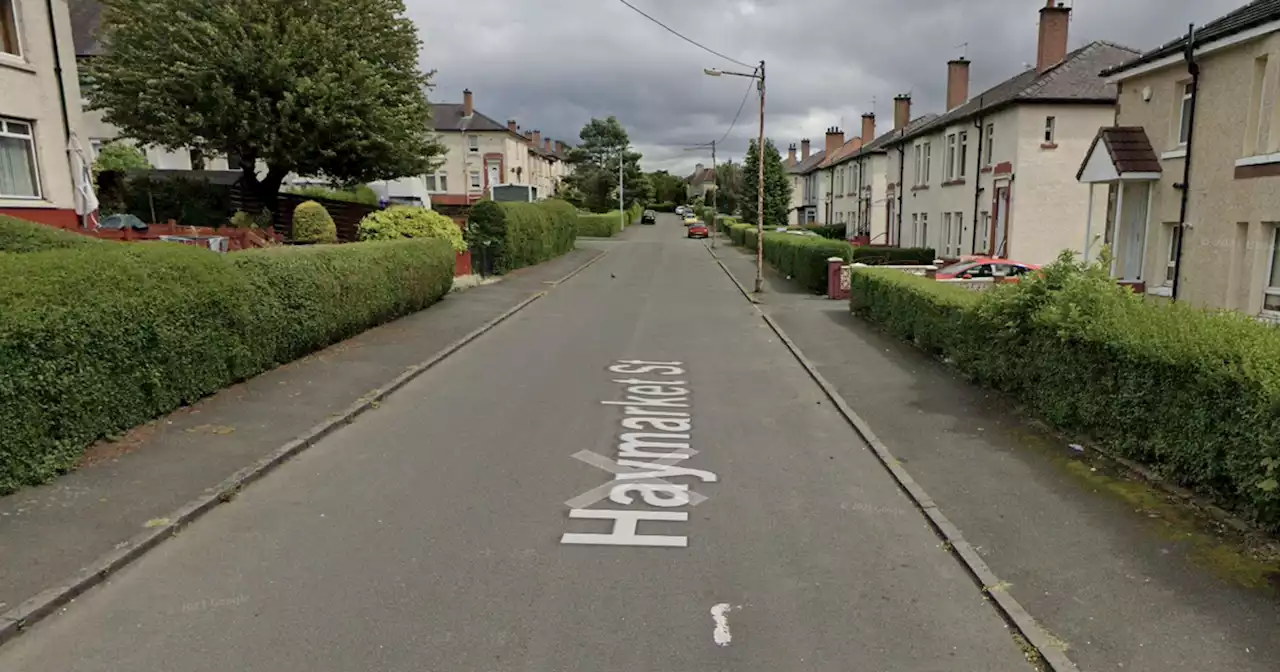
{"points": [[1192, 166], [41, 173], [836, 179], [995, 174], [803, 172]]}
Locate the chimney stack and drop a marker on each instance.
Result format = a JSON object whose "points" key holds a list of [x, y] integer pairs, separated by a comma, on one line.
{"points": [[901, 111], [835, 138], [537, 139], [957, 83], [547, 145], [559, 147], [804, 149], [1055, 19], [868, 128], [468, 106], [791, 153], [513, 126]]}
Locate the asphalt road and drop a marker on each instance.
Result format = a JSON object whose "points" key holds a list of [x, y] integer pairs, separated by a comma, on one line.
{"points": [[434, 533]]}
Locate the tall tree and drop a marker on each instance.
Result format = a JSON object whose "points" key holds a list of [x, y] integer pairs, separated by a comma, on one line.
{"points": [[667, 188], [325, 88], [777, 188], [729, 183], [595, 175]]}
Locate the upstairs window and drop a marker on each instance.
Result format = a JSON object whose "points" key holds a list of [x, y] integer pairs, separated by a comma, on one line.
{"points": [[9, 43], [1050, 129], [1184, 113]]}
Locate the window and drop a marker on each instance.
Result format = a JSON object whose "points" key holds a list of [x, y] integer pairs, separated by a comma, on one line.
{"points": [[1184, 114], [475, 180], [946, 234], [1272, 299], [9, 42], [1050, 128], [18, 175], [1171, 263], [473, 142], [438, 182], [984, 223], [855, 180], [952, 153], [95, 148], [1263, 102], [915, 229], [964, 152], [840, 180], [991, 144], [928, 159], [924, 230], [919, 165]]}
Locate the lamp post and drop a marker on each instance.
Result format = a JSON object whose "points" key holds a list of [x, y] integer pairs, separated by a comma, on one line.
{"points": [[759, 76]]}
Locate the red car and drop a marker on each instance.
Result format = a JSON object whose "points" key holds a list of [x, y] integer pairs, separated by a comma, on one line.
{"points": [[699, 230], [985, 267]]}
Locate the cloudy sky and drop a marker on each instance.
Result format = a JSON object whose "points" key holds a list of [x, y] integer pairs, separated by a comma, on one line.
{"points": [[554, 64]]}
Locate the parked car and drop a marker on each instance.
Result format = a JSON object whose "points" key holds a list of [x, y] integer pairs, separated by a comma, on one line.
{"points": [[649, 217], [680, 210], [698, 230], [985, 267], [690, 219]]}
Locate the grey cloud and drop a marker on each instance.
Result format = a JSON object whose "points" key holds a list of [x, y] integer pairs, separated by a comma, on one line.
{"points": [[554, 64]]}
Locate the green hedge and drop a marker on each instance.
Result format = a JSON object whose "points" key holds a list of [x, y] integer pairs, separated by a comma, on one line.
{"points": [[664, 206], [832, 231], [878, 256], [599, 226], [515, 235], [96, 340], [19, 235], [1194, 394]]}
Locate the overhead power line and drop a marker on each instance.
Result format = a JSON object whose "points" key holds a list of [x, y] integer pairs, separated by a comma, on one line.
{"points": [[751, 83], [671, 30]]}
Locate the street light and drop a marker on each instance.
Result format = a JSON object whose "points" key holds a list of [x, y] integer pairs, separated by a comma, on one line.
{"points": [[757, 75]]}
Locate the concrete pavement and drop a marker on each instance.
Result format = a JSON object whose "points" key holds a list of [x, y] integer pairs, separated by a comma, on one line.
{"points": [[433, 533], [1125, 577]]}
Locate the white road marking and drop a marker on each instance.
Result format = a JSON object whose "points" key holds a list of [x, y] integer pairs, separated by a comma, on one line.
{"points": [[720, 614]]}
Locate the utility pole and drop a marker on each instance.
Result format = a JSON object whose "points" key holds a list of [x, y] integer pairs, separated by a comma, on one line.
{"points": [[760, 193], [622, 211]]}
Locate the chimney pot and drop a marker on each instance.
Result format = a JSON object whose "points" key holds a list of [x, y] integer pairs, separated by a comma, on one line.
{"points": [[537, 138], [804, 149], [957, 83], [791, 153], [868, 127], [513, 126], [468, 103], [901, 112], [1055, 22]]}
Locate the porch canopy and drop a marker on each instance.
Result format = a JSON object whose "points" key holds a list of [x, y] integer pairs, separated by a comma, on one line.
{"points": [[1119, 155]]}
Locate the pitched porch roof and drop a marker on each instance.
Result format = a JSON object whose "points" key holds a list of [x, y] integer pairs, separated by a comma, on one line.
{"points": [[1128, 156]]}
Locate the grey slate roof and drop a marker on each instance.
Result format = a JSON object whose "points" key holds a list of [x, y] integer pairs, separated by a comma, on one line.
{"points": [[881, 144], [1075, 79], [808, 165], [448, 117], [86, 20], [1251, 15]]}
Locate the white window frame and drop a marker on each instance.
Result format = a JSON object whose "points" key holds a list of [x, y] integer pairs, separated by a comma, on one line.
{"points": [[924, 230], [1171, 260], [984, 220], [473, 143], [952, 151], [946, 235], [30, 137], [928, 160], [1269, 290], [915, 229], [1184, 113], [991, 143], [438, 183], [1262, 134], [476, 180], [1050, 130], [17, 32], [963, 153], [919, 158]]}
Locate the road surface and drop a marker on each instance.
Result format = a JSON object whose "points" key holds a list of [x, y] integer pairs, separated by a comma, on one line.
{"points": [[632, 474]]}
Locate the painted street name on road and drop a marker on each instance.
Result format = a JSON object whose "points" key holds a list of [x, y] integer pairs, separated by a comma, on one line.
{"points": [[657, 426]]}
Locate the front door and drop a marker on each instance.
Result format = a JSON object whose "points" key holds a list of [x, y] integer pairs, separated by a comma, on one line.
{"points": [[494, 167], [1002, 222], [1133, 229]]}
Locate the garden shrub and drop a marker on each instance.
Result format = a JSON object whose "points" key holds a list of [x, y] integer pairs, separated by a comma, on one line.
{"points": [[515, 235], [361, 193], [1194, 394], [98, 339], [312, 224], [663, 206], [19, 235], [906, 256], [409, 221], [832, 231]]}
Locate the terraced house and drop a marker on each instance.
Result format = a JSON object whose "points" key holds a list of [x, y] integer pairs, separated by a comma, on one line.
{"points": [[995, 174], [43, 167], [832, 178], [803, 171], [1190, 170], [481, 153]]}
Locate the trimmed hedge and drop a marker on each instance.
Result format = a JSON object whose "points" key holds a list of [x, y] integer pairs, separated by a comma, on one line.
{"points": [[599, 226], [878, 256], [832, 231], [19, 235], [96, 340], [1194, 394], [515, 235]]}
